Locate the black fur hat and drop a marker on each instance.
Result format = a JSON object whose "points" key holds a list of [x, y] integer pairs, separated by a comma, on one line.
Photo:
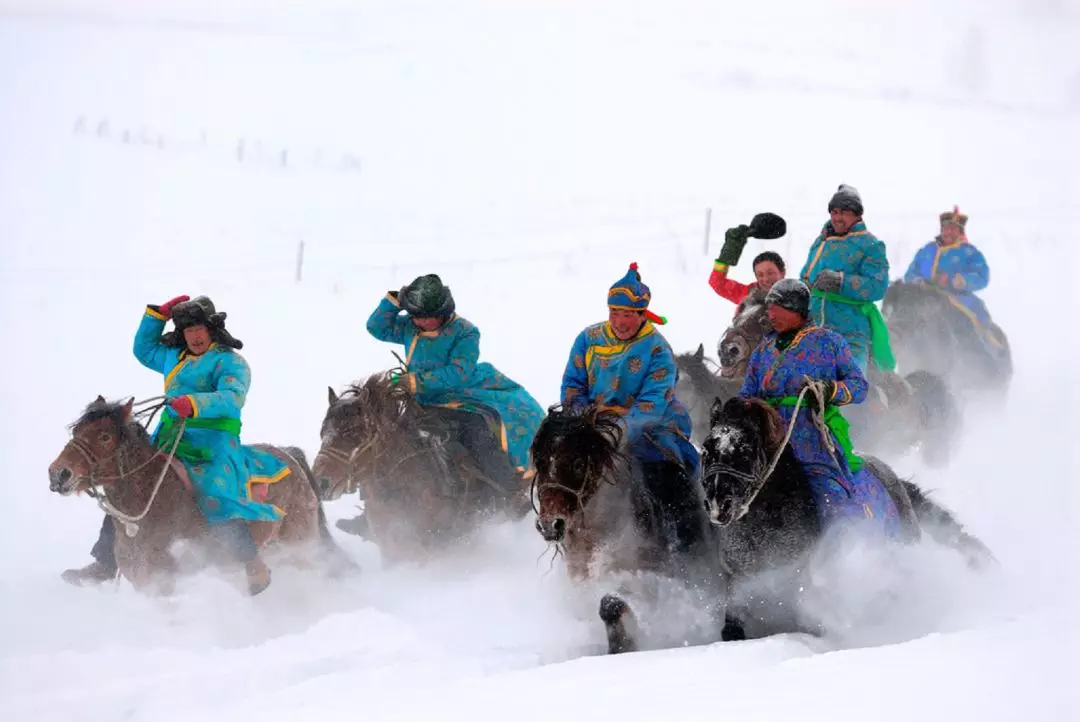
{"points": [[199, 311]]}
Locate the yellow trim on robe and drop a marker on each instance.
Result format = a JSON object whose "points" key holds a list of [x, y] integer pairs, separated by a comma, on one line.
{"points": [[616, 348], [184, 358], [817, 256], [412, 348], [194, 406], [266, 480], [155, 314]]}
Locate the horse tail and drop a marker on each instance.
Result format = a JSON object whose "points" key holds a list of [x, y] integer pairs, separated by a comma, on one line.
{"points": [[944, 528], [340, 562], [939, 415]]}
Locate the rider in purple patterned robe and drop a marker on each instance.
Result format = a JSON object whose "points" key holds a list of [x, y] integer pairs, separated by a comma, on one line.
{"points": [[779, 369]]}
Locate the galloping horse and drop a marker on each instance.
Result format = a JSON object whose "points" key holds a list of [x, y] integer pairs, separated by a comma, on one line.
{"points": [[758, 495], [928, 417], [698, 385], [148, 495], [600, 515], [931, 333], [421, 491]]}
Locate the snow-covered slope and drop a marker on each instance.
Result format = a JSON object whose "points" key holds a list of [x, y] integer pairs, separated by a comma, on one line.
{"points": [[527, 152]]}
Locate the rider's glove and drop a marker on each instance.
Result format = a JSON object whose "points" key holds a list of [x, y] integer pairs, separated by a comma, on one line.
{"points": [[182, 406], [828, 391], [734, 242], [829, 281], [166, 308]]}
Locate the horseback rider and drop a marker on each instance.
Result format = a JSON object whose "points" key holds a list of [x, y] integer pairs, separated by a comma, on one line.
{"points": [[768, 269], [847, 271], [625, 365], [206, 385], [801, 356], [954, 265], [494, 417]]}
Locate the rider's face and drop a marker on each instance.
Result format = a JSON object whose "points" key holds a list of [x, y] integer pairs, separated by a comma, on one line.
{"points": [[197, 339], [625, 323], [428, 324], [842, 220], [950, 233], [767, 274], [784, 320]]}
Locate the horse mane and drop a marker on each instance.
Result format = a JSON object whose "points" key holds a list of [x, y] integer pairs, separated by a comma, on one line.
{"points": [[763, 416], [597, 433], [698, 368], [115, 412]]}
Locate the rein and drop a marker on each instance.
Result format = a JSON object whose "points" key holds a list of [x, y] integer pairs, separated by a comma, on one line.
{"points": [[100, 493]]}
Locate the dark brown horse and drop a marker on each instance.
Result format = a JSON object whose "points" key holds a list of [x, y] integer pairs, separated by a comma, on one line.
{"points": [[600, 515], [148, 495], [421, 490], [919, 411], [929, 332]]}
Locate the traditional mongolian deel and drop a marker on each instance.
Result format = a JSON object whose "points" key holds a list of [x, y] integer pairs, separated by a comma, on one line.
{"points": [[222, 470], [967, 272], [775, 373], [636, 378], [861, 258], [444, 370]]}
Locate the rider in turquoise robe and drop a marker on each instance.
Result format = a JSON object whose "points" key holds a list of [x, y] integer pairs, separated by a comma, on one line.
{"points": [[216, 383], [443, 369], [847, 271]]}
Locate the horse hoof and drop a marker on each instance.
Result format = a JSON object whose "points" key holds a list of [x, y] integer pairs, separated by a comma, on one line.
{"points": [[258, 577], [733, 631], [612, 609]]}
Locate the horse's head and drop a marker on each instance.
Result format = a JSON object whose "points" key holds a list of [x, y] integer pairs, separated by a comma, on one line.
{"points": [[573, 451], [356, 426], [100, 440], [741, 338], [744, 434]]}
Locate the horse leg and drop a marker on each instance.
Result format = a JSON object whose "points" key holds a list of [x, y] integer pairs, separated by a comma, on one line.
{"points": [[620, 623]]}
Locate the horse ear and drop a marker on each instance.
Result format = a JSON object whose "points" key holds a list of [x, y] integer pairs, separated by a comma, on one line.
{"points": [[331, 395], [100, 399], [126, 410], [700, 353], [716, 412]]}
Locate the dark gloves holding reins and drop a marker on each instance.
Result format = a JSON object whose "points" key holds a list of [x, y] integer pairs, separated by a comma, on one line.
{"points": [[828, 390]]}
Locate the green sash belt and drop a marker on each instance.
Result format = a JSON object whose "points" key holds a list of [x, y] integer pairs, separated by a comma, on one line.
{"points": [[880, 348], [836, 423], [185, 449]]}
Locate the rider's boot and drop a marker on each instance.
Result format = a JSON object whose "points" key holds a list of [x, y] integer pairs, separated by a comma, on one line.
{"points": [[92, 574], [236, 535], [103, 568], [357, 526]]}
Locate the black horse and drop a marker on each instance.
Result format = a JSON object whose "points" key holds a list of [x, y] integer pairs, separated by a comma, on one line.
{"points": [[769, 524], [930, 333], [615, 518]]}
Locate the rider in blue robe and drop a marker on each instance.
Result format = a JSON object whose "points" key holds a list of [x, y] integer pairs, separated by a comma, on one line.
{"points": [[624, 364], [777, 373], [959, 270]]}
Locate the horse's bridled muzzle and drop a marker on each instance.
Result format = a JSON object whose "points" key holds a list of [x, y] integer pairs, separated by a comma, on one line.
{"points": [[553, 530]]}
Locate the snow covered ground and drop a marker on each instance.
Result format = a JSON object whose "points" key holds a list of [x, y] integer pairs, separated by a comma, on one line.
{"points": [[527, 152]]}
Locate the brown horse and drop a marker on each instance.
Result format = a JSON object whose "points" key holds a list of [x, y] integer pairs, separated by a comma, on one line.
{"points": [[601, 516], [421, 489], [148, 495]]}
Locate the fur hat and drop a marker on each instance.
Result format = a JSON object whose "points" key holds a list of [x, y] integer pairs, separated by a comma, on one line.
{"points": [[427, 297], [199, 311], [955, 217]]}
